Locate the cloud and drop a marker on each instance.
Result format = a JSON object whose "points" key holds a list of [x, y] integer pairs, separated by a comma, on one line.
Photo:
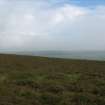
{"points": [[42, 25]]}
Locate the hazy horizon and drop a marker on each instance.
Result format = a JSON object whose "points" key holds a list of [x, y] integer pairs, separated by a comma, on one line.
{"points": [[85, 55]]}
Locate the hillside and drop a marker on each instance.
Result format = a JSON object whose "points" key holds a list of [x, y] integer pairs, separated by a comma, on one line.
{"points": [[28, 80]]}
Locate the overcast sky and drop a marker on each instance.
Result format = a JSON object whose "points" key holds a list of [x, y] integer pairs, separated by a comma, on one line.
{"points": [[33, 25]]}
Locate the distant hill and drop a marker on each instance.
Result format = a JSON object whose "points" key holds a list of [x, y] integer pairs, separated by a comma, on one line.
{"points": [[30, 80]]}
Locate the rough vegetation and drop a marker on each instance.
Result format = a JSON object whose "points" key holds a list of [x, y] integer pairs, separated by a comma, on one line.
{"points": [[26, 80]]}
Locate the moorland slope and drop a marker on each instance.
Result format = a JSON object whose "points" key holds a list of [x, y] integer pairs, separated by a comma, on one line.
{"points": [[28, 80]]}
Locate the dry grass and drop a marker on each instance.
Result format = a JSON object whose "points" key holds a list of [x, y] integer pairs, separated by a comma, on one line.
{"points": [[26, 80]]}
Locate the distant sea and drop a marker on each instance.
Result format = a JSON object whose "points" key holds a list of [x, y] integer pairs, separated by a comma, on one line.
{"points": [[85, 55], [88, 55]]}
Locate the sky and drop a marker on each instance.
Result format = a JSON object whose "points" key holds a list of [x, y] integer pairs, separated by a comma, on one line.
{"points": [[32, 25]]}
